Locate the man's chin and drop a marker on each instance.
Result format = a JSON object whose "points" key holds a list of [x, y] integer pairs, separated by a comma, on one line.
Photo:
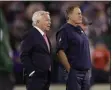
{"points": [[47, 29], [79, 23]]}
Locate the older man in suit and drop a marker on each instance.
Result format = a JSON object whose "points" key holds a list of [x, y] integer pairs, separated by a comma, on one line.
{"points": [[36, 52]]}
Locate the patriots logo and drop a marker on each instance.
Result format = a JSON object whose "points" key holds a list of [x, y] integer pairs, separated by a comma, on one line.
{"points": [[60, 40]]}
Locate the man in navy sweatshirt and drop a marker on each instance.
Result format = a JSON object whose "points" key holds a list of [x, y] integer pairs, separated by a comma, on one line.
{"points": [[73, 51]]}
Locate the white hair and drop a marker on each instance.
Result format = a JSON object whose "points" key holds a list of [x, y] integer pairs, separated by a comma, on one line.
{"points": [[37, 15]]}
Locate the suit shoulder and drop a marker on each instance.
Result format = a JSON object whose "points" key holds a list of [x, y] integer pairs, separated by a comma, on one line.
{"points": [[28, 34]]}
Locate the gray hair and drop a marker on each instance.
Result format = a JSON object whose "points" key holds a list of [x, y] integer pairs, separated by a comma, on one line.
{"points": [[37, 15]]}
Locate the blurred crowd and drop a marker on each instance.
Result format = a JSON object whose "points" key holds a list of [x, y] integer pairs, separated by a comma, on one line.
{"points": [[18, 16]]}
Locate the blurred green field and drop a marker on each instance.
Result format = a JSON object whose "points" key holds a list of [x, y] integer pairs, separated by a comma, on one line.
{"points": [[62, 87]]}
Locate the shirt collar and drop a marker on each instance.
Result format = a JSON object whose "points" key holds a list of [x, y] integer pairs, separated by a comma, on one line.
{"points": [[75, 27], [42, 33]]}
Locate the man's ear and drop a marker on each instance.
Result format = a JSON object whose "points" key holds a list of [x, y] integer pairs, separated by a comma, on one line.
{"points": [[69, 16], [37, 21]]}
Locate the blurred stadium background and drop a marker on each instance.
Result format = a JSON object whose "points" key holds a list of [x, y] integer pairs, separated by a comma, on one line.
{"points": [[15, 21]]}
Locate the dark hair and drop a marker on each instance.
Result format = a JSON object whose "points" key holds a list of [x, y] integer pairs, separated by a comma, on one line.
{"points": [[70, 9]]}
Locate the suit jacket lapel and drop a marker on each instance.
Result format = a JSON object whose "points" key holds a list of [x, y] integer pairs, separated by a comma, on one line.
{"points": [[45, 44], [42, 39]]}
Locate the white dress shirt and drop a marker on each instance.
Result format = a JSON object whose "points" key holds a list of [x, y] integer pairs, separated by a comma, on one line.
{"points": [[42, 33]]}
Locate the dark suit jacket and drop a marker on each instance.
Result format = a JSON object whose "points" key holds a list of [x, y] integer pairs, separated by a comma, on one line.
{"points": [[34, 52]]}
